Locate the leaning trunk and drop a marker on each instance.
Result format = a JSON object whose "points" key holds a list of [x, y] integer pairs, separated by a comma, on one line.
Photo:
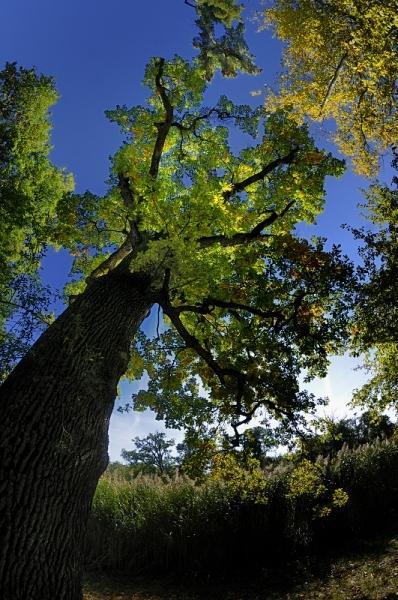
{"points": [[54, 414]]}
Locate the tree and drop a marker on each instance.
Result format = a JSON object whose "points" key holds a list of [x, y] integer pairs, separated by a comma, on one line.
{"points": [[375, 330], [257, 442], [151, 454], [331, 435], [30, 189], [205, 234], [341, 62]]}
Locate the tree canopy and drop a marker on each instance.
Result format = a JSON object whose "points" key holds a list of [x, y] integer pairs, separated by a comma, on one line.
{"points": [[375, 330], [152, 454], [341, 62], [193, 223], [30, 189], [247, 304], [237, 288]]}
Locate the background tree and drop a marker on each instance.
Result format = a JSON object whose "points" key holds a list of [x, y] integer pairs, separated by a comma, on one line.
{"points": [[30, 190], [195, 452], [341, 62], [331, 435], [204, 232], [375, 330], [257, 442], [152, 454]]}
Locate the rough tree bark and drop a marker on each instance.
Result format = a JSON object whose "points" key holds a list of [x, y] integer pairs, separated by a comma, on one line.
{"points": [[54, 412]]}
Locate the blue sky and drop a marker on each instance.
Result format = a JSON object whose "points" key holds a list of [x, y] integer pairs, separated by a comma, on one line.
{"points": [[97, 51]]}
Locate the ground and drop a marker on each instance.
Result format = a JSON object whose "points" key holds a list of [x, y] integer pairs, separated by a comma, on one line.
{"points": [[370, 573]]}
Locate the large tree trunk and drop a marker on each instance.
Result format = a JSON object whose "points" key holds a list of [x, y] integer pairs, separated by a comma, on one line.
{"points": [[54, 413]]}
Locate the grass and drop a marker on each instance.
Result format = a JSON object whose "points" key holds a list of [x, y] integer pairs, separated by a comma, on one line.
{"points": [[371, 573], [152, 526], [199, 533]]}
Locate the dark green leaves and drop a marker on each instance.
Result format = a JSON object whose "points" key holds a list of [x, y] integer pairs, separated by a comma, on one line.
{"points": [[228, 51]]}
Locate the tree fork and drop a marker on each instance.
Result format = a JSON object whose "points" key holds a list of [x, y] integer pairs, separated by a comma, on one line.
{"points": [[54, 410]]}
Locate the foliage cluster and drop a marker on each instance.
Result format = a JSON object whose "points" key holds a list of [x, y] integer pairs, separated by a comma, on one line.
{"points": [[341, 63], [30, 189], [152, 454], [375, 329], [176, 525], [330, 435]]}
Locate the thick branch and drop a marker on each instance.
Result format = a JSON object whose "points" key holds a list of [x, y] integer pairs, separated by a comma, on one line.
{"points": [[112, 261], [240, 186], [163, 129], [209, 303], [192, 342], [253, 235], [164, 126], [125, 191], [129, 201]]}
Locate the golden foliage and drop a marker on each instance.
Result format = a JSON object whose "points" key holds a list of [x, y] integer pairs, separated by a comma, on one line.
{"points": [[341, 63]]}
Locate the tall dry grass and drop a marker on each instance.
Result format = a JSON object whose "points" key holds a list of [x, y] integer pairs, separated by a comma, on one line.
{"points": [[174, 525]]}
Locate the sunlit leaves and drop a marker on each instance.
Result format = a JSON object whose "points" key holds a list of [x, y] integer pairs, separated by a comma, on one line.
{"points": [[296, 313], [341, 62], [30, 190], [225, 11]]}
